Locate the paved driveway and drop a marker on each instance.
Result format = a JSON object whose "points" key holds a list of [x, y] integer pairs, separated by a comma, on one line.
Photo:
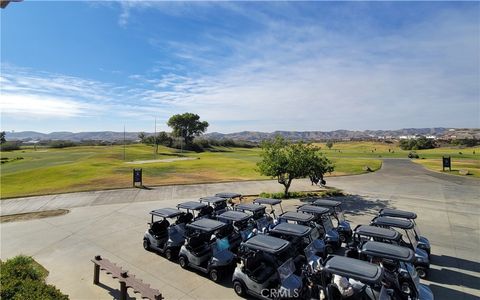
{"points": [[111, 223]]}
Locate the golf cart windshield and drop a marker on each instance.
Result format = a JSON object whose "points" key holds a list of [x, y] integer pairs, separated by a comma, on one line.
{"points": [[327, 223], [177, 233], [417, 230], [412, 237], [314, 234], [286, 269], [413, 274], [339, 214]]}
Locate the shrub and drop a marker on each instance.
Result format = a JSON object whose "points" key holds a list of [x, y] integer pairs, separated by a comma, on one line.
{"points": [[62, 144], [22, 277], [417, 144], [413, 154], [10, 146]]}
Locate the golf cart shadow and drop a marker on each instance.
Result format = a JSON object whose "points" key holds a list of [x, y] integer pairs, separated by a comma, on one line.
{"points": [[455, 262], [358, 205], [441, 292], [115, 293], [451, 277]]}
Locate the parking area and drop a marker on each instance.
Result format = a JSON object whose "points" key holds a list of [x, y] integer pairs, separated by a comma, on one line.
{"points": [[448, 209]]}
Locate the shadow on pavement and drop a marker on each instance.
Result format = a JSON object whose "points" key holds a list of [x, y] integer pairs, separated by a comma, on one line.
{"points": [[454, 262], [441, 292], [358, 205], [112, 292], [447, 276]]}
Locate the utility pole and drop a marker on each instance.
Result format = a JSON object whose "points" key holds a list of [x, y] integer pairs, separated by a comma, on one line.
{"points": [[155, 141], [124, 150]]}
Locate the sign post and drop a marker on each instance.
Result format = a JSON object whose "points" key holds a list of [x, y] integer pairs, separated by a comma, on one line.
{"points": [[137, 177], [447, 163]]}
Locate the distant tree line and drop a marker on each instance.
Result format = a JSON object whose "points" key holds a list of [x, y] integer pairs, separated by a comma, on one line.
{"points": [[417, 144]]}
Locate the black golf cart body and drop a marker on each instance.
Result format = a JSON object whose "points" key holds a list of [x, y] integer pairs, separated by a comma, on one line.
{"points": [[241, 226], [405, 226], [262, 220], [272, 203], [195, 210], [203, 251], [163, 235], [343, 227], [423, 242], [323, 219], [266, 269], [399, 271], [218, 204], [369, 275], [301, 237]]}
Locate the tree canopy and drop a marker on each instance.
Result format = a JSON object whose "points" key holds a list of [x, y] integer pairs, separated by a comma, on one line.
{"points": [[187, 126], [287, 161], [417, 144]]}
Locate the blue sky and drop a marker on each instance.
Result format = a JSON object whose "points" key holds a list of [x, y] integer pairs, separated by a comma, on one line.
{"points": [[93, 66]]}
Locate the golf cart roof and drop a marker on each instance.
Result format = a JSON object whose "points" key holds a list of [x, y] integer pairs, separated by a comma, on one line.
{"points": [[296, 216], [393, 222], [378, 232], [250, 207], [234, 216], [166, 212], [193, 205], [353, 268], [266, 243], [212, 199], [327, 203], [228, 195], [396, 213], [206, 225], [383, 250], [268, 201], [312, 209], [291, 229]]}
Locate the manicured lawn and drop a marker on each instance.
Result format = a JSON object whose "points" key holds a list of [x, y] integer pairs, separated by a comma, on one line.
{"points": [[73, 169]]}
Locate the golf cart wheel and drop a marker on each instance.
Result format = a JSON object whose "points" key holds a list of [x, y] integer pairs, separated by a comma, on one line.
{"points": [[329, 249], [239, 288], [343, 238], [214, 275], [183, 262], [422, 272], [146, 244], [169, 254]]}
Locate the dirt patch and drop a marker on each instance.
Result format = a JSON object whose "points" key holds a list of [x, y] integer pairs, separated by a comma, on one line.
{"points": [[33, 215]]}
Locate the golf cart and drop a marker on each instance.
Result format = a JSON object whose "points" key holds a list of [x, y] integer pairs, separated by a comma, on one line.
{"points": [[204, 251], [163, 235], [195, 210], [323, 220], [272, 203], [335, 207], [301, 237], [365, 279], [266, 269], [218, 204], [405, 226], [423, 242], [240, 224], [229, 196], [262, 219], [365, 233], [399, 271]]}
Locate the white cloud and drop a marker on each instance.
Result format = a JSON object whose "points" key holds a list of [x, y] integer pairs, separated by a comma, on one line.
{"points": [[43, 106]]}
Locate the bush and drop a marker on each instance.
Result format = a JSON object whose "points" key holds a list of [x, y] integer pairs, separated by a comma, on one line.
{"points": [[62, 144], [413, 154], [22, 277], [10, 146], [417, 144]]}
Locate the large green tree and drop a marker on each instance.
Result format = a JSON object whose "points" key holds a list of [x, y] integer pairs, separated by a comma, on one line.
{"points": [[287, 161], [187, 126], [2, 137]]}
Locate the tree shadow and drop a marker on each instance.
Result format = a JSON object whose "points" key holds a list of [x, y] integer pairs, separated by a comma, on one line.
{"points": [[358, 205], [441, 292], [115, 293], [455, 262]]}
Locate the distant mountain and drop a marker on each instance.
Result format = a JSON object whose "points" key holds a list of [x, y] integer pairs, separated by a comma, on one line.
{"points": [[255, 136]]}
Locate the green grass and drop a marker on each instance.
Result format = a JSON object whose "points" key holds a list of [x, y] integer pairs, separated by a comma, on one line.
{"points": [[48, 170]]}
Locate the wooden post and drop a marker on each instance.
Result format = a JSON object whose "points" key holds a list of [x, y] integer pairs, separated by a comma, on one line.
{"points": [[123, 290], [96, 273]]}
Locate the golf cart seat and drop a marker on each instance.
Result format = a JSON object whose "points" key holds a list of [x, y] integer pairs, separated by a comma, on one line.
{"points": [[206, 211], [160, 229], [198, 245], [184, 219], [333, 293], [257, 270]]}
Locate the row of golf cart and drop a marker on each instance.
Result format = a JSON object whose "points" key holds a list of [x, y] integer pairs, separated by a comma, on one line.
{"points": [[275, 254]]}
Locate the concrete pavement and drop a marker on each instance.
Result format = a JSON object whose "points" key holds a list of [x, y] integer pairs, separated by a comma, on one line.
{"points": [[111, 223]]}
